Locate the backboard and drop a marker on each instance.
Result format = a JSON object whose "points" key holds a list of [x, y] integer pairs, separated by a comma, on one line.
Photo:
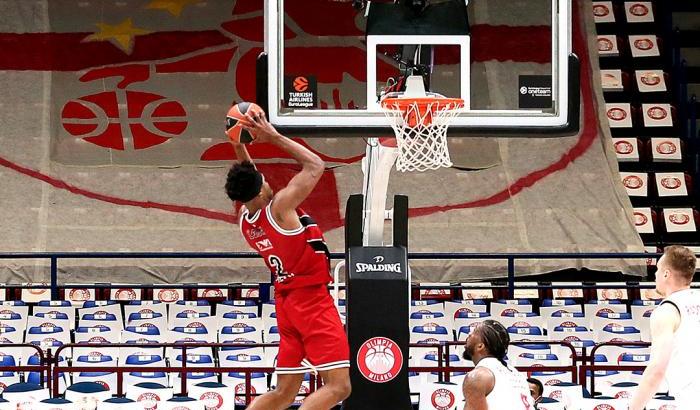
{"points": [[327, 62]]}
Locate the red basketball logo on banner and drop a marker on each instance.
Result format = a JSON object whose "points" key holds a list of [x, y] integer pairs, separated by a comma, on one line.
{"points": [[442, 399], [151, 119], [379, 359]]}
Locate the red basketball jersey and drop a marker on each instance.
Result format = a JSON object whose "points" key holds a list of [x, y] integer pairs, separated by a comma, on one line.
{"points": [[296, 258]]}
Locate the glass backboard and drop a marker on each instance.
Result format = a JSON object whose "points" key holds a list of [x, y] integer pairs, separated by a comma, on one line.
{"points": [[327, 62]]}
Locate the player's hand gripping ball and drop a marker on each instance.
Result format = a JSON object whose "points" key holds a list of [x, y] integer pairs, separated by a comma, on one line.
{"points": [[234, 122]]}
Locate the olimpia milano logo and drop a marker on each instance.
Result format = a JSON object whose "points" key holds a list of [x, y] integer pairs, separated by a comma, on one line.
{"points": [[378, 266], [379, 359]]}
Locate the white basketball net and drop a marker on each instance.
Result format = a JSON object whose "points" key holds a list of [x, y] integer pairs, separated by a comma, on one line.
{"points": [[421, 132]]}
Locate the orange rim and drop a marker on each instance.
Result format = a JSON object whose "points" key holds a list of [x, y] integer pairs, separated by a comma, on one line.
{"points": [[422, 103]]}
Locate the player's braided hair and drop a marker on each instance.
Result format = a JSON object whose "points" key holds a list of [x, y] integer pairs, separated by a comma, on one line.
{"points": [[496, 339], [243, 182]]}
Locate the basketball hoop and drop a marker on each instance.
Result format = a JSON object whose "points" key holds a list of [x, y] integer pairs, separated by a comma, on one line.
{"points": [[420, 123]]}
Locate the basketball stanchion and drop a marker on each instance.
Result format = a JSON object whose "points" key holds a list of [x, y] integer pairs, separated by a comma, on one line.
{"points": [[377, 313], [377, 274]]}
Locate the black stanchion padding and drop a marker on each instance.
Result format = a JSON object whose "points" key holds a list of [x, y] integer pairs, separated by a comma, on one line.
{"points": [[377, 323]]}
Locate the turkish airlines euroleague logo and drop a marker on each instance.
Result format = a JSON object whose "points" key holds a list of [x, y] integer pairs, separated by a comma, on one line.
{"points": [[301, 84], [379, 359]]}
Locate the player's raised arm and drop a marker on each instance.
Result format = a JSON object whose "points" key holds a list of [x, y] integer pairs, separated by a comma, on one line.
{"points": [[289, 198], [477, 385], [664, 321], [241, 152]]}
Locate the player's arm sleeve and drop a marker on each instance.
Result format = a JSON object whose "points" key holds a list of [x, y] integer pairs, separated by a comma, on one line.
{"points": [[664, 322], [477, 385]]}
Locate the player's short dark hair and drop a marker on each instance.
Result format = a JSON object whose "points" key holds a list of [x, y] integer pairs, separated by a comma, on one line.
{"points": [[243, 182], [495, 338], [682, 260], [540, 387]]}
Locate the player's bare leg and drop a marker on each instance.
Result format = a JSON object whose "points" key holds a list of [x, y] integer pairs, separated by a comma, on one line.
{"points": [[336, 388], [282, 397]]}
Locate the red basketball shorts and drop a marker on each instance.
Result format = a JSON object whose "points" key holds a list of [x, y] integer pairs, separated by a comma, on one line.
{"points": [[311, 334]]}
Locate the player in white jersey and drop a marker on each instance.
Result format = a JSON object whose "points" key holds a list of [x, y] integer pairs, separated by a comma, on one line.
{"points": [[675, 333], [493, 385]]}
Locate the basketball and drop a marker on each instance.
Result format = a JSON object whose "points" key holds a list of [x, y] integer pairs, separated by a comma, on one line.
{"points": [[379, 359], [234, 130]]}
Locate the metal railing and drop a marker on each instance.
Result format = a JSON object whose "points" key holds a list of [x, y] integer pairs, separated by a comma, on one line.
{"points": [[582, 367], [510, 259], [44, 366]]}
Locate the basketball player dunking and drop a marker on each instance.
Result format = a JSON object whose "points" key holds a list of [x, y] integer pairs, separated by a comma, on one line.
{"points": [[292, 245], [493, 385], [675, 332]]}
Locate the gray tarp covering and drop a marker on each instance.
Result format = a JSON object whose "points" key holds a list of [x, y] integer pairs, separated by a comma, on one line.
{"points": [[63, 193]]}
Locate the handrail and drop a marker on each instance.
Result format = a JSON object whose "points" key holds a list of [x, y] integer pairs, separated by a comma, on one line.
{"points": [[182, 370], [43, 366], [509, 258], [593, 367]]}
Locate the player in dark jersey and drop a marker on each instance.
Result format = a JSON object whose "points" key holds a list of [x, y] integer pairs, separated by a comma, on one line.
{"points": [[311, 333]]}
